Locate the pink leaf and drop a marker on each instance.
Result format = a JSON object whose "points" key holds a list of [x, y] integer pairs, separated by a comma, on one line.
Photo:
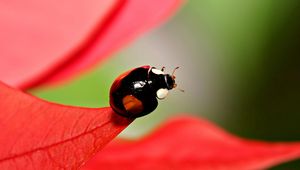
{"points": [[191, 143], [36, 134], [43, 40]]}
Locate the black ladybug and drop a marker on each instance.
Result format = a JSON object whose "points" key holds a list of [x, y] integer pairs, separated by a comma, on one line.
{"points": [[134, 93]]}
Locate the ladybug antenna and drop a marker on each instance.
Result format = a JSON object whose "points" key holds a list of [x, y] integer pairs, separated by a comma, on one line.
{"points": [[174, 71], [173, 77]]}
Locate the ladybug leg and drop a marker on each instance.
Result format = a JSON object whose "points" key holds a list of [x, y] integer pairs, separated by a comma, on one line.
{"points": [[149, 72], [163, 68]]}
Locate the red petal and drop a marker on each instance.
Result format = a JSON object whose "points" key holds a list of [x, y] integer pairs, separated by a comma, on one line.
{"points": [[39, 38], [132, 19], [36, 134], [191, 143]]}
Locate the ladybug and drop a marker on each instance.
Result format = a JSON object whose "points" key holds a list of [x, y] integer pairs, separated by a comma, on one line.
{"points": [[134, 93]]}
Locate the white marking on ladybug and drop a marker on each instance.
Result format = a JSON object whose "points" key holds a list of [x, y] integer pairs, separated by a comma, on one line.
{"points": [[162, 93], [139, 84], [156, 71]]}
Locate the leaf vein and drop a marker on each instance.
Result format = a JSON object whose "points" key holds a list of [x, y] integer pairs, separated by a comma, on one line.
{"points": [[52, 145]]}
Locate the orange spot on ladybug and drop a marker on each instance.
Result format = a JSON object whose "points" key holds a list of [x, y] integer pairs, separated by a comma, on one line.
{"points": [[132, 104]]}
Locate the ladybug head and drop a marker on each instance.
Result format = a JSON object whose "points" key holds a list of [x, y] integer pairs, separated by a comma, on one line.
{"points": [[162, 80], [170, 80]]}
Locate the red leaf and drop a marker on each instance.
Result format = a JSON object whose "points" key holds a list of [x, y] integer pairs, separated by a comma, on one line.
{"points": [[43, 39], [39, 36], [191, 143], [36, 134], [128, 22]]}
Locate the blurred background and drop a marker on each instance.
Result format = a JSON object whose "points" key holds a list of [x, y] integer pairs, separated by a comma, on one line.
{"points": [[239, 66]]}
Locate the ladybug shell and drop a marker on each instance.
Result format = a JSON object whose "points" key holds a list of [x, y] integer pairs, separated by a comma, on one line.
{"points": [[131, 95]]}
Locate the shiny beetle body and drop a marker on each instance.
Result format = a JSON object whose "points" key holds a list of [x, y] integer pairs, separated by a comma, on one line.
{"points": [[134, 93]]}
